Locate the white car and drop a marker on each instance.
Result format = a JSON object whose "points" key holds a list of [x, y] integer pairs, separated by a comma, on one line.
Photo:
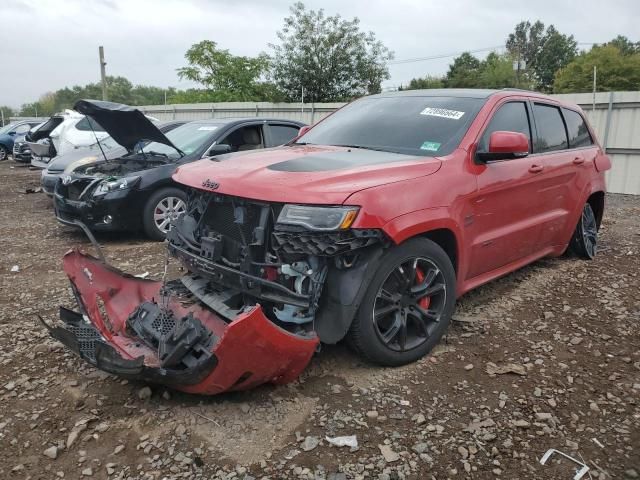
{"points": [[61, 134]]}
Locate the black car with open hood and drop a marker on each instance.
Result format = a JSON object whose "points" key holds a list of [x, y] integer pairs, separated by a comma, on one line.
{"points": [[135, 191]]}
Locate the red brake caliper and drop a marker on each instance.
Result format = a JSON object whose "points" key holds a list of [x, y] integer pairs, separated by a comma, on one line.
{"points": [[424, 301]]}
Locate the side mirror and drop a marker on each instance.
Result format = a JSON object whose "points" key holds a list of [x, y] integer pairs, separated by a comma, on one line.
{"points": [[504, 146], [218, 150], [12, 133]]}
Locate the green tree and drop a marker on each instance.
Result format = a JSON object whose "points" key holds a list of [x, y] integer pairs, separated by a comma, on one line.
{"points": [[544, 51], [615, 71], [464, 72], [327, 56], [424, 83], [626, 46], [496, 71], [220, 71]]}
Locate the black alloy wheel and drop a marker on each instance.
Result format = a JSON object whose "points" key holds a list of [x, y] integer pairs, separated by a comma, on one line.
{"points": [[407, 306], [585, 237]]}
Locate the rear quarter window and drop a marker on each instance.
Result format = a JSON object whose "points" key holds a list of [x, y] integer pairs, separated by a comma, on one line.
{"points": [[552, 134], [577, 130]]}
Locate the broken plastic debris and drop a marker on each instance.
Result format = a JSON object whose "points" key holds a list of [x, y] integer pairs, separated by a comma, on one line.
{"points": [[493, 369], [579, 473], [346, 441], [142, 275], [15, 268]]}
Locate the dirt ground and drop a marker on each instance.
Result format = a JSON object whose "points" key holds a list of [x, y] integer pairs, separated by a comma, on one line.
{"points": [[567, 328]]}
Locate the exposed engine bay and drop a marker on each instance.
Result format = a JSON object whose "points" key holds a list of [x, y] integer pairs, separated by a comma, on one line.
{"points": [[257, 298], [238, 255], [120, 167]]}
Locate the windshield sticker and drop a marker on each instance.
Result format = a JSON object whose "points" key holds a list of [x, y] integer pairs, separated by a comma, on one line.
{"points": [[442, 112], [430, 146], [208, 128]]}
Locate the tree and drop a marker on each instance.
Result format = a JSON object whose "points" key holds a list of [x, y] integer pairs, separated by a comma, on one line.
{"points": [[218, 70], [424, 83], [626, 46], [615, 71], [327, 56], [463, 72], [496, 71], [544, 51]]}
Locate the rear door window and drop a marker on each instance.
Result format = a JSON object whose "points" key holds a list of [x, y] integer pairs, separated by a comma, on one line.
{"points": [[510, 117], [579, 135], [552, 134], [281, 134], [88, 124]]}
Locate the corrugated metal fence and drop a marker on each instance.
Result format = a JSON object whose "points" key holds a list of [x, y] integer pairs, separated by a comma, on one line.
{"points": [[616, 119]]}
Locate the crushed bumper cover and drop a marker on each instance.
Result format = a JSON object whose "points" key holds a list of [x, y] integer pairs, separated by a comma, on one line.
{"points": [[236, 355]]}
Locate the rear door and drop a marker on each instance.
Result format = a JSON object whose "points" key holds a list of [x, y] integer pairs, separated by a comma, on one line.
{"points": [[280, 133], [562, 156], [507, 210]]}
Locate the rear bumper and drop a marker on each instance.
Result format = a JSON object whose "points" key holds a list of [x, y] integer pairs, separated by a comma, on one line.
{"points": [[248, 351]]}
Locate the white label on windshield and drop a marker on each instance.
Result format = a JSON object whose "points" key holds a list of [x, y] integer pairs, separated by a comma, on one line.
{"points": [[208, 128], [442, 112]]}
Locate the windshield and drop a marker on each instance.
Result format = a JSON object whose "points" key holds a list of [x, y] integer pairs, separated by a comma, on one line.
{"points": [[7, 128], [424, 126], [188, 138]]}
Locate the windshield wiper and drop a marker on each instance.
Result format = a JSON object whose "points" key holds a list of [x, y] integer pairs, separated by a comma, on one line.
{"points": [[364, 147], [157, 154]]}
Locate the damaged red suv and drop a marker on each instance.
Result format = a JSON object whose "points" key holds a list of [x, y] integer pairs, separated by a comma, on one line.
{"points": [[368, 226]]}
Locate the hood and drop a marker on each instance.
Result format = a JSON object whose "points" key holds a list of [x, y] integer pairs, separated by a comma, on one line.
{"points": [[125, 124], [303, 174]]}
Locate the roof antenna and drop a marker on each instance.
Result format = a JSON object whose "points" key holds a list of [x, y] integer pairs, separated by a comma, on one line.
{"points": [[96, 136]]}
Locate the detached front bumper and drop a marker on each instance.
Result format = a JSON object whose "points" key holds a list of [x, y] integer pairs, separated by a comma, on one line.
{"points": [[248, 351]]}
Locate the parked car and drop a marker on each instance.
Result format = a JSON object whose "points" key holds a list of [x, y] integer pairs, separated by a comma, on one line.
{"points": [[367, 226], [136, 190], [107, 149], [61, 134], [21, 151], [9, 132]]}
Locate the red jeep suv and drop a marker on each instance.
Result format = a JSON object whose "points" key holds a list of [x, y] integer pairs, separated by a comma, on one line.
{"points": [[372, 222], [367, 226]]}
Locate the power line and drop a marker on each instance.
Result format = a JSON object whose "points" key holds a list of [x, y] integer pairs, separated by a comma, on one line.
{"points": [[447, 55]]}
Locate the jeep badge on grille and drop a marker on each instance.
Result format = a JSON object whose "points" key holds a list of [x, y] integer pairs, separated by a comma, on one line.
{"points": [[211, 185]]}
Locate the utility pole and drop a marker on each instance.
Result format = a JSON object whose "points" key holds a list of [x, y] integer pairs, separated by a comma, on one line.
{"points": [[103, 75], [2, 113], [595, 71]]}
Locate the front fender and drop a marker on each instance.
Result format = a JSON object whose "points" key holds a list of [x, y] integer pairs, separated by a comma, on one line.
{"points": [[415, 223]]}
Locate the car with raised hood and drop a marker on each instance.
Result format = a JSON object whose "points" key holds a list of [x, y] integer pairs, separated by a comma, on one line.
{"points": [[136, 191], [368, 226], [106, 148], [10, 132]]}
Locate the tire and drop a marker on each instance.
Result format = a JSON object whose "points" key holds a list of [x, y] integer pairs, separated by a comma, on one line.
{"points": [[385, 310], [4, 153], [584, 242], [169, 203]]}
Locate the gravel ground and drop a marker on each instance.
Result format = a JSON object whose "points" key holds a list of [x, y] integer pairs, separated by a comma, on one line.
{"points": [[564, 330]]}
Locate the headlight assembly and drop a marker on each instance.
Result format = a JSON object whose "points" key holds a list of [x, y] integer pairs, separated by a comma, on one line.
{"points": [[318, 218], [112, 185]]}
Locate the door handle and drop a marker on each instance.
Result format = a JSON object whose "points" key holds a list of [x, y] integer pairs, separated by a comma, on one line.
{"points": [[578, 160], [536, 168]]}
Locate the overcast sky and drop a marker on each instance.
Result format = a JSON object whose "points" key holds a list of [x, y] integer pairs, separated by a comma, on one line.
{"points": [[50, 44]]}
